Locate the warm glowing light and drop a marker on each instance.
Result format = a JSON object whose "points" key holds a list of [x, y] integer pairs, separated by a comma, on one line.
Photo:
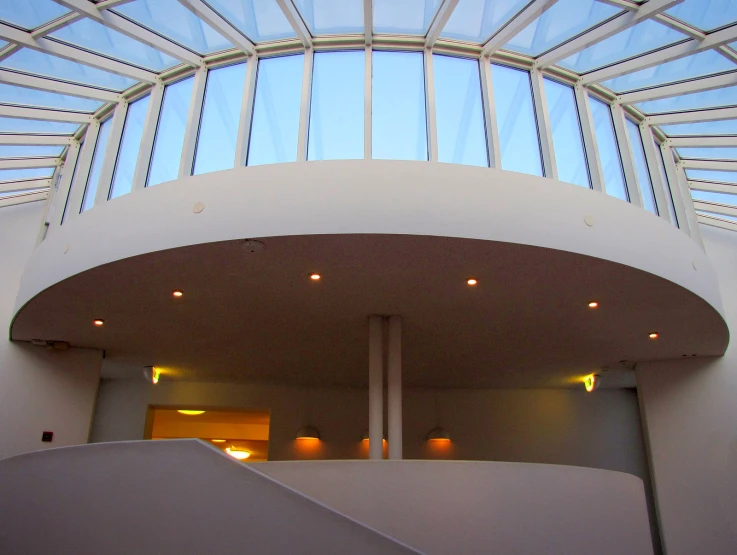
{"points": [[589, 382], [654, 335], [593, 304], [191, 412], [439, 440], [155, 375], [98, 322], [315, 277], [237, 453], [218, 440], [177, 293], [472, 281]]}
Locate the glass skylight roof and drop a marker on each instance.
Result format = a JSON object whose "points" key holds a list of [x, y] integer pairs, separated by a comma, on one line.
{"points": [[564, 20], [724, 127], [477, 20], [412, 17], [705, 15], [259, 20], [331, 17], [10, 94], [28, 173], [726, 96], [15, 151], [17, 125], [30, 14], [172, 20], [713, 175], [712, 153]]}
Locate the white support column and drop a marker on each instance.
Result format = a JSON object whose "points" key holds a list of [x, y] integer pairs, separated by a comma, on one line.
{"points": [[192, 128], [110, 156], [432, 131], [625, 154], [586, 119], [394, 384], [492, 129], [145, 151], [675, 190], [244, 125], [545, 130], [304, 111], [376, 387], [367, 106], [653, 166], [84, 163], [62, 194], [685, 191]]}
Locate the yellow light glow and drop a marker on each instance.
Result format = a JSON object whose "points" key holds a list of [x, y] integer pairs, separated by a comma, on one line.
{"points": [[654, 335], [593, 304], [218, 440], [191, 412], [237, 453], [589, 382], [472, 281], [98, 322], [439, 440], [177, 293], [315, 277], [155, 375]]}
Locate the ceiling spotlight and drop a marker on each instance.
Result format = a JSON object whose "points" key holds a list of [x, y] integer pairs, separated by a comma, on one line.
{"points": [[152, 374], [472, 281], [98, 322], [177, 293], [315, 276], [654, 335], [438, 434], [591, 382], [218, 440], [237, 453], [308, 432], [191, 412], [593, 304]]}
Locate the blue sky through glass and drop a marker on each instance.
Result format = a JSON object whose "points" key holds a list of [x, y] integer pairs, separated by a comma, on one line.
{"points": [[643, 175], [17, 125], [259, 20], [721, 198], [570, 158], [93, 178], [712, 175], [125, 166], [411, 17], [724, 127], [30, 14], [23, 96], [26, 173], [478, 20], [13, 151], [331, 17], [711, 153], [726, 96], [606, 140], [705, 14]]}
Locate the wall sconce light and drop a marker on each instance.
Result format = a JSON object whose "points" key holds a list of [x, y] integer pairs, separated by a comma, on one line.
{"points": [[591, 382], [366, 436], [308, 432], [438, 434], [152, 374]]}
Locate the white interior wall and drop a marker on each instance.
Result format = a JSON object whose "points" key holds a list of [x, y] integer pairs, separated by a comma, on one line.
{"points": [[40, 390], [690, 411]]}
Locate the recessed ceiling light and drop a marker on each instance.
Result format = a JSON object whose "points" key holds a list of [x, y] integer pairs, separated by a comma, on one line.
{"points": [[315, 276], [593, 304], [191, 412], [654, 335], [472, 281], [98, 322], [177, 293]]}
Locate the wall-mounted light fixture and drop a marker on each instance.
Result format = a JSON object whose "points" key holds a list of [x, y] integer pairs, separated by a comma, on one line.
{"points": [[191, 412], [308, 432], [152, 374], [438, 434], [366, 436], [239, 454], [591, 382]]}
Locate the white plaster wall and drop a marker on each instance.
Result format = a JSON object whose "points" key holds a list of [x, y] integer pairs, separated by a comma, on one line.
{"points": [[690, 410], [40, 390]]}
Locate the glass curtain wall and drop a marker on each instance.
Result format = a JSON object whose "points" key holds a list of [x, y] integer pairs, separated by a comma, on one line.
{"points": [[606, 140], [93, 178], [666, 187], [125, 166], [643, 175]]}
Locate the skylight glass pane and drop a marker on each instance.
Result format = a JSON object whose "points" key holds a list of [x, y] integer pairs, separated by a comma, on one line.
{"points": [[606, 140], [712, 175], [698, 65], [275, 122], [643, 175], [24, 151], [30, 14], [641, 38], [705, 14], [666, 186], [477, 20], [518, 140], [125, 165], [17, 125], [21, 191], [259, 20], [714, 214], [41, 63], [26, 173], [570, 158], [726, 96], [90, 191], [73, 184], [170, 132], [564, 20], [220, 118], [171, 19], [10, 94], [711, 153], [100, 39], [724, 127], [332, 17], [410, 17], [721, 198], [399, 125], [459, 113], [336, 114]]}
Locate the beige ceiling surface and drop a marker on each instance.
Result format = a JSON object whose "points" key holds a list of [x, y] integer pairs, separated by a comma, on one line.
{"points": [[258, 317]]}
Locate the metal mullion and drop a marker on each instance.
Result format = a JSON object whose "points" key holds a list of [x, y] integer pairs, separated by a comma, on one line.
{"points": [[677, 89], [430, 116], [24, 184], [44, 114], [367, 104], [50, 205], [246, 114], [304, 111], [715, 221], [545, 131], [204, 12], [29, 163], [148, 135], [685, 191], [715, 207], [445, 10], [710, 114], [61, 195], [47, 84], [588, 133], [107, 169], [713, 187], [718, 165], [192, 127], [42, 139], [653, 167], [712, 141], [521, 20], [23, 198], [368, 21], [672, 176], [625, 155], [84, 164], [295, 20], [492, 128]]}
